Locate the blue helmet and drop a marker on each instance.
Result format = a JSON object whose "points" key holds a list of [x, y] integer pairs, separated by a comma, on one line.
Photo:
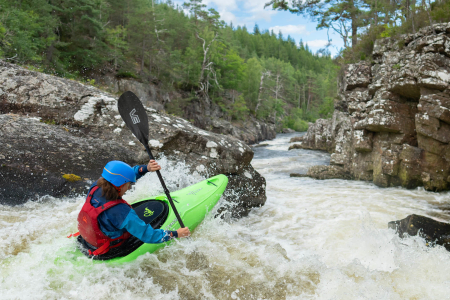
{"points": [[118, 173]]}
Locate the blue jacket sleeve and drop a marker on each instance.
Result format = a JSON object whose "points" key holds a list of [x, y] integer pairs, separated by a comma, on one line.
{"points": [[140, 171], [145, 232]]}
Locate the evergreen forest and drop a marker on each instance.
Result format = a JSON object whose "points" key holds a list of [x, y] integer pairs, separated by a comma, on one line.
{"points": [[189, 49], [184, 48]]}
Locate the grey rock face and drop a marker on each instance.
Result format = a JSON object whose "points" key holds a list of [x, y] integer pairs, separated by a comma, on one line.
{"points": [[392, 119], [51, 126], [203, 113], [356, 75]]}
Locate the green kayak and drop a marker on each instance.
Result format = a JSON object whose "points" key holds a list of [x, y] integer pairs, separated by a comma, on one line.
{"points": [[192, 203]]}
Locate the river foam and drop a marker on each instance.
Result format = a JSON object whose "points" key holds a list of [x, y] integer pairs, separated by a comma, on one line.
{"points": [[312, 240]]}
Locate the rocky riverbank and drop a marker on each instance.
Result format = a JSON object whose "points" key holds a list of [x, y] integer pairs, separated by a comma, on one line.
{"points": [[391, 123], [202, 113], [51, 128]]}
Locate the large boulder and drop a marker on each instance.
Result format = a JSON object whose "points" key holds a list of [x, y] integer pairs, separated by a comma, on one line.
{"points": [[57, 135], [434, 232], [317, 137]]}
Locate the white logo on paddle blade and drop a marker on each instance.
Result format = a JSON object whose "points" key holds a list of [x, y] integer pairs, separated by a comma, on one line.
{"points": [[134, 118]]}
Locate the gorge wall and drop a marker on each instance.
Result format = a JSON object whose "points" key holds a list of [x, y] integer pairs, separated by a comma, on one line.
{"points": [[391, 123], [52, 127]]}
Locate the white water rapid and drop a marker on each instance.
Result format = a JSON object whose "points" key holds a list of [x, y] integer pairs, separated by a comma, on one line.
{"points": [[312, 240]]}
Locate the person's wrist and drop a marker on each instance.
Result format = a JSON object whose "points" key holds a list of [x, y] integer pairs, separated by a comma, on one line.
{"points": [[144, 169]]}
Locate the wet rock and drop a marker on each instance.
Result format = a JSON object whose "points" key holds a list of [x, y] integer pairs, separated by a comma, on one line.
{"points": [[434, 232], [50, 127], [296, 139], [297, 146], [298, 175], [288, 130], [260, 145], [328, 172], [391, 122], [410, 169], [248, 191]]}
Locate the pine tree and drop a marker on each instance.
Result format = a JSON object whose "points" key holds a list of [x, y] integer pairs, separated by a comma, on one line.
{"points": [[256, 30]]}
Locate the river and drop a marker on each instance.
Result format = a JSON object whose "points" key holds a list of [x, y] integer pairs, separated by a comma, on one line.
{"points": [[311, 240]]}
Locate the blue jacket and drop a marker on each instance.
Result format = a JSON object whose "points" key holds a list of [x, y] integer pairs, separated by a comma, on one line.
{"points": [[118, 219]]}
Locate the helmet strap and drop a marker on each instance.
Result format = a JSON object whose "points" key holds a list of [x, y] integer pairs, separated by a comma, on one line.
{"points": [[118, 189]]}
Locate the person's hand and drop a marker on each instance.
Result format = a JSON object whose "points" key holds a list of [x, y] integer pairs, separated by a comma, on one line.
{"points": [[153, 166], [183, 232]]}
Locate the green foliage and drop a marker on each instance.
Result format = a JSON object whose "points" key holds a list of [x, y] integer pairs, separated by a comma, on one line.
{"points": [[125, 74], [268, 75], [90, 82], [326, 110], [239, 109], [364, 21], [388, 31], [295, 121], [177, 105], [387, 19], [48, 121], [115, 37]]}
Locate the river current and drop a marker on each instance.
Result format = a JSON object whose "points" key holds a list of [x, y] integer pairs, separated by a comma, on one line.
{"points": [[311, 240]]}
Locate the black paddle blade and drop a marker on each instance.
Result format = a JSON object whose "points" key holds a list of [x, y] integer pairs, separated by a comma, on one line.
{"points": [[134, 115]]}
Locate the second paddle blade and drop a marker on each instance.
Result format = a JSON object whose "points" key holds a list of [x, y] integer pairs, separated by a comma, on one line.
{"points": [[134, 115]]}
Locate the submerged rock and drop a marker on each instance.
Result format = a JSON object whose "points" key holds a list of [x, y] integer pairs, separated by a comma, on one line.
{"points": [[434, 232], [52, 127], [391, 123]]}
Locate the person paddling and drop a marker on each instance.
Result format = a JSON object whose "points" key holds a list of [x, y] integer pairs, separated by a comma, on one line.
{"points": [[107, 222]]}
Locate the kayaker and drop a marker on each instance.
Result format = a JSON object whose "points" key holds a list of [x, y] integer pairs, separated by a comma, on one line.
{"points": [[106, 221]]}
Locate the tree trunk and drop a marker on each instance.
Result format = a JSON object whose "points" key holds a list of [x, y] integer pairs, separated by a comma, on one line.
{"points": [[309, 95], [376, 13], [206, 63], [143, 56], [428, 9], [304, 96], [354, 30], [260, 91]]}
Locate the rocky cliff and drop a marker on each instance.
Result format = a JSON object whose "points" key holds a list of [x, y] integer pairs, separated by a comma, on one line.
{"points": [[52, 127], [392, 120], [203, 113]]}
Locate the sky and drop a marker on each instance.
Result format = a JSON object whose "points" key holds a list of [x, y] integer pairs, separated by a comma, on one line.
{"points": [[251, 12]]}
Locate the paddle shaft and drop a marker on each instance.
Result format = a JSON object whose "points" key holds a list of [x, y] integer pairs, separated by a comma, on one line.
{"points": [[166, 191]]}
